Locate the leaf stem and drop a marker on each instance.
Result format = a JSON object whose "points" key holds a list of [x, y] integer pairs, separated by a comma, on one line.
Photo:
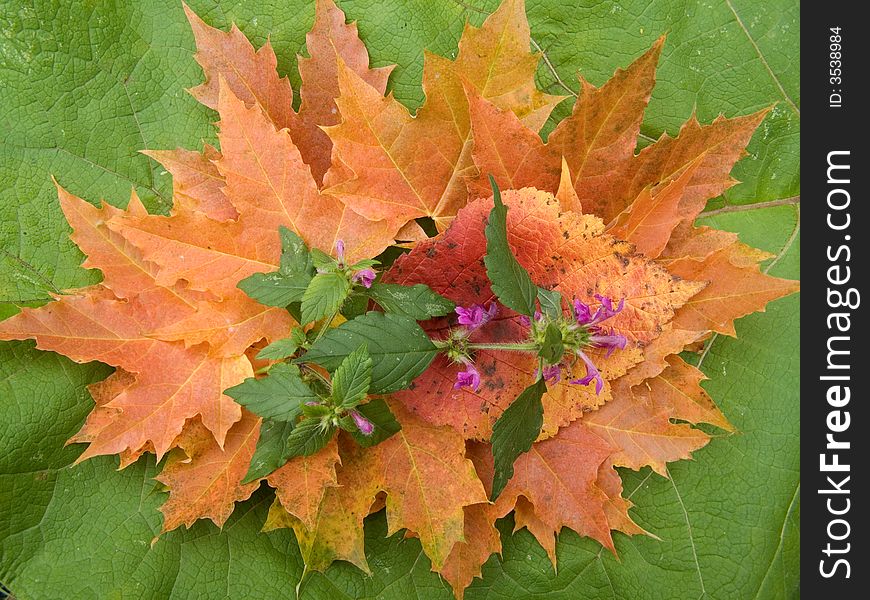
{"points": [[509, 347], [505, 346]]}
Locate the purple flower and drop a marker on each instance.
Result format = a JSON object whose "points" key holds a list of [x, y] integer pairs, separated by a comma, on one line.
{"points": [[365, 277], [610, 341], [470, 377], [584, 315], [365, 426], [525, 321], [606, 310], [552, 373], [339, 251], [582, 312], [475, 315], [591, 374]]}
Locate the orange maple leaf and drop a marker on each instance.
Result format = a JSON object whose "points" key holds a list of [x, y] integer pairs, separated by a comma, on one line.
{"points": [[302, 482], [329, 40], [205, 480], [427, 480], [251, 75], [197, 185], [393, 165]]}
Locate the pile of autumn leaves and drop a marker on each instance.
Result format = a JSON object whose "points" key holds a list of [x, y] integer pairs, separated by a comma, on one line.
{"points": [[355, 165]]}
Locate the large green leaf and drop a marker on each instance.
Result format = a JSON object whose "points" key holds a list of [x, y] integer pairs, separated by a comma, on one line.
{"points": [[399, 349], [88, 85], [514, 432]]}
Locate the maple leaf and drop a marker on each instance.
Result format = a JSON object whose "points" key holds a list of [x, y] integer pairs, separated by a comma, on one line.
{"points": [[271, 186], [393, 165], [209, 255], [302, 482], [688, 241], [615, 509], [98, 419], [634, 423], [656, 353], [205, 480], [718, 146], [330, 38], [525, 517], [607, 176], [559, 478], [466, 558], [650, 220], [337, 532], [197, 185], [565, 252], [251, 75], [737, 288], [600, 133], [229, 327], [173, 383], [427, 481], [495, 59], [124, 269], [639, 421], [678, 388], [615, 506]]}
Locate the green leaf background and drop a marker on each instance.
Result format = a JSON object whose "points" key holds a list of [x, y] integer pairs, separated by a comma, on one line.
{"points": [[85, 85]]}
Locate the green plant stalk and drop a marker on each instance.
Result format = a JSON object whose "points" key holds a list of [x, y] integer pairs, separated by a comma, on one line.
{"points": [[506, 346]]}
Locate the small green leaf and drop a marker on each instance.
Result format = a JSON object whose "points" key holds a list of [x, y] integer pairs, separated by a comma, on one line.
{"points": [[366, 263], [288, 283], [271, 452], [278, 395], [295, 257], [324, 296], [551, 303], [283, 348], [510, 281], [514, 432], [350, 382], [417, 301], [315, 411], [322, 261], [378, 412], [399, 349], [275, 289], [552, 348], [308, 437]]}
